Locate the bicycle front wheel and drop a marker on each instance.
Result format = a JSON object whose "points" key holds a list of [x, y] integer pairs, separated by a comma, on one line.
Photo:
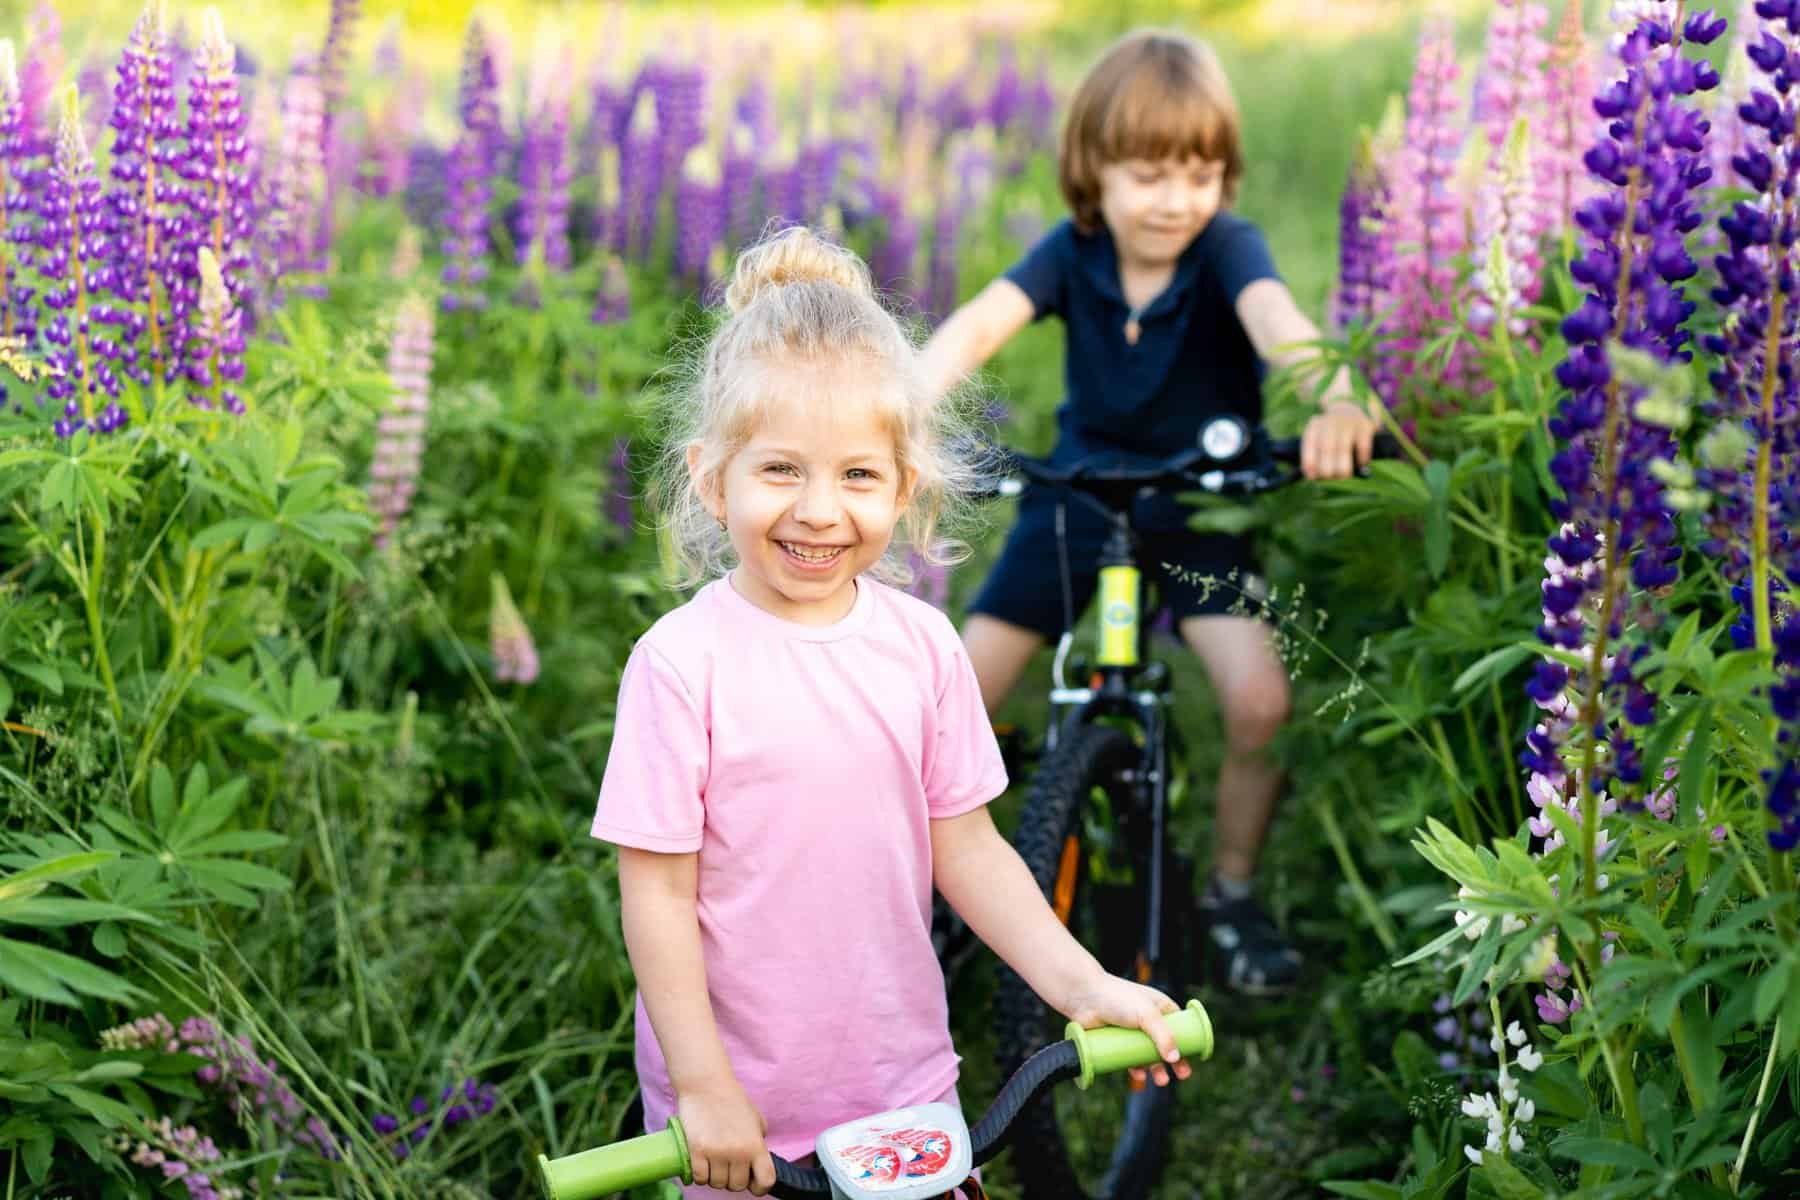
{"points": [[1109, 1142]]}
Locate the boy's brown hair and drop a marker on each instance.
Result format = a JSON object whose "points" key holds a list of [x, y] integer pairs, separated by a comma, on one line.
{"points": [[1154, 94]]}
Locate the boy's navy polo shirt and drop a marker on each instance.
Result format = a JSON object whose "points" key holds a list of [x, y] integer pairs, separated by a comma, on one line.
{"points": [[1192, 360]]}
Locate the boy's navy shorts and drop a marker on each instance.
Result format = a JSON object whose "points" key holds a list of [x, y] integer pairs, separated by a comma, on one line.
{"points": [[1024, 588]]}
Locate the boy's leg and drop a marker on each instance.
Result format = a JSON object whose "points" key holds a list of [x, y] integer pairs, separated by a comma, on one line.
{"points": [[999, 651], [1252, 685]]}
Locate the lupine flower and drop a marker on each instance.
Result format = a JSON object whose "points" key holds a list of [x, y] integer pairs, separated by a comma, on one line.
{"points": [[178, 1153], [680, 96], [640, 179], [332, 59], [544, 171], [1423, 233], [618, 505], [297, 190], [738, 178], [18, 314], [470, 175], [400, 433], [458, 1105], [1511, 221], [214, 353], [1361, 279], [515, 656], [1753, 478], [1729, 135], [931, 581], [1652, 157], [37, 78], [220, 203], [1512, 78], [74, 265], [1507, 1113], [699, 214], [146, 147], [1507, 239], [818, 166], [612, 303]]}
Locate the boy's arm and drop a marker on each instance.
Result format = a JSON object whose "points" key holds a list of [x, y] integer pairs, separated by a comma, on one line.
{"points": [[657, 899], [1342, 436], [989, 886], [971, 335]]}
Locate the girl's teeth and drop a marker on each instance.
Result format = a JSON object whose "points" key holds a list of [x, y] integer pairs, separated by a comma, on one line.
{"points": [[812, 555]]}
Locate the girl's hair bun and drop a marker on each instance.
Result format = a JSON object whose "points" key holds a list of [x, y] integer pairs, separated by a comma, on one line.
{"points": [[795, 255]]}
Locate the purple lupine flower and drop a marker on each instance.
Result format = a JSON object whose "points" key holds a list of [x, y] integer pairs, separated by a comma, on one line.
{"points": [[738, 178], [699, 214], [1006, 101], [897, 244], [612, 303], [297, 189], [332, 61], [1729, 135], [255, 1089], [18, 313], [214, 354], [473, 164], [1361, 280], [146, 149], [931, 581], [680, 92], [37, 78], [618, 506], [1613, 504], [515, 656], [1513, 223], [400, 434], [544, 171], [640, 180], [76, 268], [218, 192], [818, 168], [1754, 456]]}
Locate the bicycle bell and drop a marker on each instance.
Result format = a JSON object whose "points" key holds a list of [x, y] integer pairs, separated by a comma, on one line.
{"points": [[1224, 438]]}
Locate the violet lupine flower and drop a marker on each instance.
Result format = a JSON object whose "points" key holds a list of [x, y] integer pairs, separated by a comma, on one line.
{"points": [[218, 193], [680, 91], [1613, 500], [1754, 391], [1570, 125], [146, 146], [931, 580], [618, 507], [75, 266], [474, 161], [297, 190], [1512, 75], [515, 656], [18, 315], [400, 433], [332, 60], [544, 172], [1513, 90], [255, 1090], [1006, 101], [1361, 278], [738, 178], [1423, 234], [179, 1153], [1730, 133], [612, 303], [640, 180], [699, 214], [818, 167], [37, 78], [214, 354], [458, 1104], [1040, 104], [897, 248]]}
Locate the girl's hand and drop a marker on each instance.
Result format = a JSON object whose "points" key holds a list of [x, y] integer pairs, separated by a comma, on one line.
{"points": [[1110, 1000], [1336, 442], [725, 1139]]}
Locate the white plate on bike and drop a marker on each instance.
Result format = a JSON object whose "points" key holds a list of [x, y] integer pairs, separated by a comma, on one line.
{"points": [[906, 1154]]}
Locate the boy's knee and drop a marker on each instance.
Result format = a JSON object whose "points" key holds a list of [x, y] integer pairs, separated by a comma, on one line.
{"points": [[1255, 710]]}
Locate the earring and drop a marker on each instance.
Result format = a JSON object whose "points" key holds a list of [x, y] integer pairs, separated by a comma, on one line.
{"points": [[722, 528]]}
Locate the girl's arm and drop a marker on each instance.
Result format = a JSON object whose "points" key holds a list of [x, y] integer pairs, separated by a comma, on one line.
{"points": [[971, 335], [662, 935], [1341, 437], [990, 887]]}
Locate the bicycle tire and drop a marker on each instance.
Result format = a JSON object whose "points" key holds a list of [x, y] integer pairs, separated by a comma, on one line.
{"points": [[1091, 756]]}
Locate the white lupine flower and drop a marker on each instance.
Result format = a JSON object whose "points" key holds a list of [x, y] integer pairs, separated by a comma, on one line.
{"points": [[1474, 1154], [1515, 1141], [1530, 1059], [1509, 1087], [1524, 1112], [1515, 1034], [1511, 924], [1493, 1142], [1476, 1106], [1495, 1043]]}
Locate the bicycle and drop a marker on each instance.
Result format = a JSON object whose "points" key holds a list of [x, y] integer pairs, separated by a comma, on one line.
{"points": [[913, 1153], [1093, 828]]}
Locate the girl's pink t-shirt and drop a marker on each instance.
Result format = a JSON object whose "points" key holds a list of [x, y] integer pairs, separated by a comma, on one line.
{"points": [[804, 764]]}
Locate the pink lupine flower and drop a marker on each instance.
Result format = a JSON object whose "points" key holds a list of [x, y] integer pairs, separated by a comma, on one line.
{"points": [[515, 656], [1424, 232], [1512, 71], [400, 434], [1563, 181]]}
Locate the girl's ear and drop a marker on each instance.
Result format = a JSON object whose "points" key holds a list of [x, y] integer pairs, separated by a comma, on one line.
{"points": [[909, 484], [709, 491]]}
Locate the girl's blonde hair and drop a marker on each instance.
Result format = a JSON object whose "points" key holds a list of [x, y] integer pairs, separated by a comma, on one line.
{"points": [[797, 303], [1154, 94]]}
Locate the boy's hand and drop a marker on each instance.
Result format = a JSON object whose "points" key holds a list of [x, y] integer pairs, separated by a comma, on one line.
{"points": [[725, 1139], [1336, 442], [1110, 1000]]}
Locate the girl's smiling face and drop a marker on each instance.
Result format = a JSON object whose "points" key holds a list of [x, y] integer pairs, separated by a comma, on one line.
{"points": [[811, 500], [1155, 208]]}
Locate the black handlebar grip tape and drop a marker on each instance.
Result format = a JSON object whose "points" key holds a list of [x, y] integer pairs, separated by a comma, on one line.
{"points": [[799, 1183]]}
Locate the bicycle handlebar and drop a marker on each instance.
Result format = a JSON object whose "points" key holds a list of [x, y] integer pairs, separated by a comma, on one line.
{"points": [[1083, 1054]]}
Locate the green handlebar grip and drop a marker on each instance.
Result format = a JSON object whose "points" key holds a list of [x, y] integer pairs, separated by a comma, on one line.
{"points": [[1111, 1048], [608, 1169]]}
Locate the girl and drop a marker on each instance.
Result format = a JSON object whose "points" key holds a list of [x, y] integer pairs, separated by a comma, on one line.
{"points": [[800, 751], [1172, 305]]}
